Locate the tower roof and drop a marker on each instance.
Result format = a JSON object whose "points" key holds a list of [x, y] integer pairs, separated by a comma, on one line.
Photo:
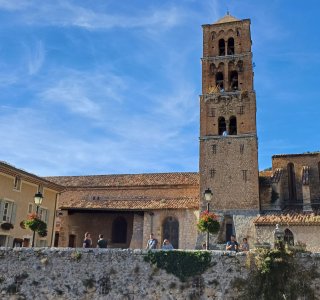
{"points": [[226, 19]]}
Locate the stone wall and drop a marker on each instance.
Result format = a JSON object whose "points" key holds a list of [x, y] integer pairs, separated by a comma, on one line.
{"points": [[59, 273]]}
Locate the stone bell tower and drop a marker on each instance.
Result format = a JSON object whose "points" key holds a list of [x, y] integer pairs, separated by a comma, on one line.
{"points": [[228, 136]]}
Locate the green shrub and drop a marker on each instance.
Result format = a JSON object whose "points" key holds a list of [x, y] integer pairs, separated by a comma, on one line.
{"points": [[182, 264]]}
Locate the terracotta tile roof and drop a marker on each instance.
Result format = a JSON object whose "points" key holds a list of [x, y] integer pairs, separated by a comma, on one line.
{"points": [[125, 180], [132, 204], [265, 173], [297, 154], [288, 218], [9, 169]]}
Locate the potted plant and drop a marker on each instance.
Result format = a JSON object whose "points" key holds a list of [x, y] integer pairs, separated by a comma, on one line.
{"points": [[6, 226], [36, 224], [208, 222]]}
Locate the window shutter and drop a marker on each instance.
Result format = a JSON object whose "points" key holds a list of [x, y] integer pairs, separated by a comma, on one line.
{"points": [[10, 241], [13, 213], [47, 216], [1, 210]]}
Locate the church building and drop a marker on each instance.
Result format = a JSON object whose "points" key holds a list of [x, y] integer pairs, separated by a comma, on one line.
{"points": [[127, 208]]}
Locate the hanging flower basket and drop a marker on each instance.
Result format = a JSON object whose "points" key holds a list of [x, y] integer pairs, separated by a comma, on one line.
{"points": [[208, 222], [36, 224], [6, 226]]}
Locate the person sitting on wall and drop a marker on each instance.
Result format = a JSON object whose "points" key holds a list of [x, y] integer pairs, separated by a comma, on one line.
{"points": [[102, 243], [167, 245], [152, 242], [225, 133], [245, 245], [232, 245], [87, 242]]}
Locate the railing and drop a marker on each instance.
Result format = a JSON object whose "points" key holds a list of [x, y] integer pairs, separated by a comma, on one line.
{"points": [[292, 204]]}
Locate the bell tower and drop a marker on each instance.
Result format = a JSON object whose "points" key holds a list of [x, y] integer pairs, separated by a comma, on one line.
{"points": [[228, 136]]}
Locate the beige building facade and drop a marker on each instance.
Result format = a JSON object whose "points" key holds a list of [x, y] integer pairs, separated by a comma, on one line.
{"points": [[17, 190]]}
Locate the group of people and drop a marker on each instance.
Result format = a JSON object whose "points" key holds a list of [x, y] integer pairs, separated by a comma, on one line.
{"points": [[152, 243], [233, 245], [87, 242]]}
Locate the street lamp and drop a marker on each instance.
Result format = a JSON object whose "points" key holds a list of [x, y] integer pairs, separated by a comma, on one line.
{"points": [[208, 197], [278, 238], [37, 201]]}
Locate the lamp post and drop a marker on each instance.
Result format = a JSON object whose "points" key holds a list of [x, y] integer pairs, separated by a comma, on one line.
{"points": [[208, 197], [278, 238], [37, 201]]}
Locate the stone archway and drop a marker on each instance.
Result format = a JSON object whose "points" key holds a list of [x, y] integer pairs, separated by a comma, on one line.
{"points": [[170, 231]]}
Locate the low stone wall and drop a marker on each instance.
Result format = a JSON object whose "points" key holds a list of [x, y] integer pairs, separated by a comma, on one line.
{"points": [[59, 273]]}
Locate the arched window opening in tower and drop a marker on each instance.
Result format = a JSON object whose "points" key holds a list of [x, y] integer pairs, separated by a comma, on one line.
{"points": [[234, 81], [222, 47], [212, 69], [288, 237], [230, 49], [292, 183], [119, 230], [233, 125], [222, 125], [219, 81]]}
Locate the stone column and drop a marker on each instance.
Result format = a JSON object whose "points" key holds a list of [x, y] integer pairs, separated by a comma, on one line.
{"points": [[137, 235], [64, 229]]}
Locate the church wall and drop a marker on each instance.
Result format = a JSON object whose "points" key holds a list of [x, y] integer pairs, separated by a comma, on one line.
{"points": [[310, 235], [187, 226], [312, 160], [78, 223]]}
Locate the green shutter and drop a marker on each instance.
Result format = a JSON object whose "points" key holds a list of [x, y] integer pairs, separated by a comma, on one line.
{"points": [[13, 213], [1, 210], [9, 241]]}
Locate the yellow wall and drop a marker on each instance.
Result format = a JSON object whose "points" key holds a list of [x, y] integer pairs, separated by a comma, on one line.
{"points": [[22, 198]]}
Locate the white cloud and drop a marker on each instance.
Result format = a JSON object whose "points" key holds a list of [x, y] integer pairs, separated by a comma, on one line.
{"points": [[83, 93], [66, 13], [36, 58]]}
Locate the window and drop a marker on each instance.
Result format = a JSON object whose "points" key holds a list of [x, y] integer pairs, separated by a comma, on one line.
{"points": [[230, 49], [170, 229], [42, 243], [245, 175], [234, 81], [222, 125], [214, 149], [212, 112], [241, 148], [241, 109], [219, 81], [17, 183], [30, 208], [212, 173], [56, 239], [212, 69], [40, 189], [233, 125], [292, 183], [288, 237], [119, 230], [72, 241], [222, 48], [7, 211], [43, 214]]}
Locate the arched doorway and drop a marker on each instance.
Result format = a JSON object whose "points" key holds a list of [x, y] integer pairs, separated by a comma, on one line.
{"points": [[288, 237], [170, 230], [233, 125], [119, 230], [222, 126]]}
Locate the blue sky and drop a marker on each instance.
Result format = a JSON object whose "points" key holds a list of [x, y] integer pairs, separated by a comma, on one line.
{"points": [[101, 87]]}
